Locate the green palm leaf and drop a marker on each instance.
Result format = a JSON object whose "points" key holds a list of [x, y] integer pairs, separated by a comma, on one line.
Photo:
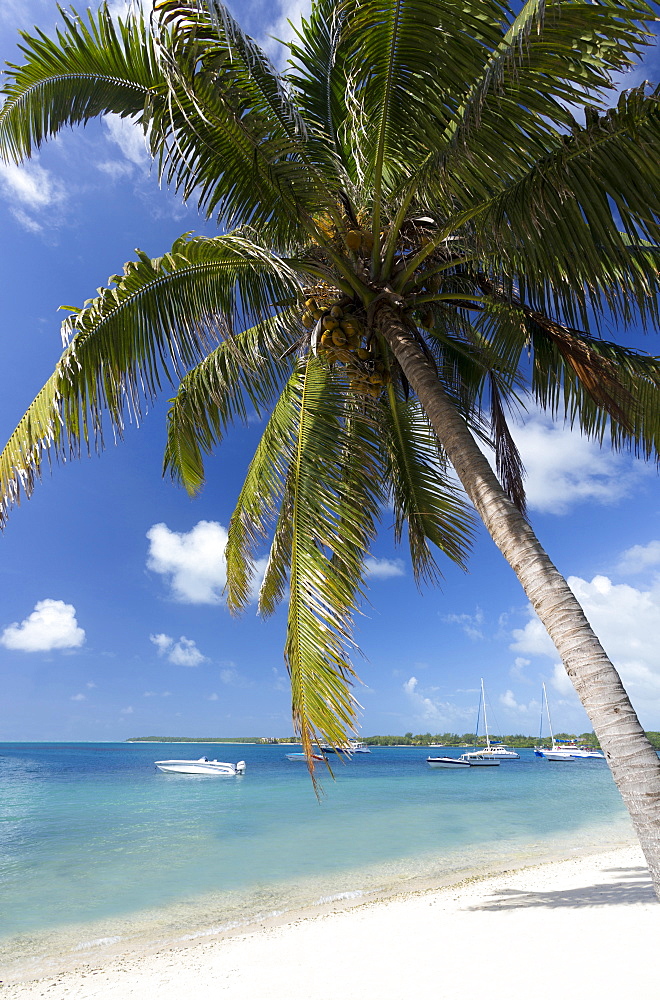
{"points": [[86, 70], [245, 373], [157, 321], [425, 499]]}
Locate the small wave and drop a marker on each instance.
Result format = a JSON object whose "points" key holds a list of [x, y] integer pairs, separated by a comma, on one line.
{"points": [[340, 895], [97, 941]]}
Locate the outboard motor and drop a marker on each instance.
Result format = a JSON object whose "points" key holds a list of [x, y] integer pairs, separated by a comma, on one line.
{"points": [[240, 767]]}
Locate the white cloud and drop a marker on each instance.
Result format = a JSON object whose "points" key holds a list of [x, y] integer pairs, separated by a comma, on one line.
{"points": [[127, 711], [213, 697], [114, 169], [129, 137], [627, 622], [90, 684], [279, 28], [471, 624], [78, 697], [564, 469], [508, 701], [183, 653], [383, 569], [431, 711], [638, 558], [52, 625], [518, 668], [31, 188], [195, 562]]}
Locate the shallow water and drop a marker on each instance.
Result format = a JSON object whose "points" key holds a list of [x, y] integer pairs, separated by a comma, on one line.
{"points": [[97, 847]]}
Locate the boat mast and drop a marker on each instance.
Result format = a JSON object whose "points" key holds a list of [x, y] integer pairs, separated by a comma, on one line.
{"points": [[483, 699], [547, 709]]}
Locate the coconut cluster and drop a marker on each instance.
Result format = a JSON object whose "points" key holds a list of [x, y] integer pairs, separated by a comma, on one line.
{"points": [[339, 337]]}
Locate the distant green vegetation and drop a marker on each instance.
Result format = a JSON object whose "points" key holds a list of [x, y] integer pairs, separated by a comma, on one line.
{"points": [[409, 739], [198, 739]]}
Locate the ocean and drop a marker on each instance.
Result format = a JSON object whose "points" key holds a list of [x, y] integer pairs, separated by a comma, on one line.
{"points": [[102, 853]]}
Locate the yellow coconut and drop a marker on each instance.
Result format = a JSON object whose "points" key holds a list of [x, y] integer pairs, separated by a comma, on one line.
{"points": [[353, 240], [336, 312], [338, 338]]}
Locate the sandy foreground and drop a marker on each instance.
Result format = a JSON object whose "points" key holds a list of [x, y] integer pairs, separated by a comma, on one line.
{"points": [[587, 927]]}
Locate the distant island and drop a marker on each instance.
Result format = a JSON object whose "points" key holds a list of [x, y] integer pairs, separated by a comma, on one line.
{"points": [[408, 739]]}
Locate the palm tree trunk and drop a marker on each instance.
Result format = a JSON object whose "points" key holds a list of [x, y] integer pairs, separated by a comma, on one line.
{"points": [[633, 761]]}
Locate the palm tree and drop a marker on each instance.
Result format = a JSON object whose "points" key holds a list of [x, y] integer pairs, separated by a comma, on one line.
{"points": [[425, 220]]}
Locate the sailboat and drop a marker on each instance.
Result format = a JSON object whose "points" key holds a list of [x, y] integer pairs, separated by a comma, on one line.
{"points": [[561, 749], [492, 753]]}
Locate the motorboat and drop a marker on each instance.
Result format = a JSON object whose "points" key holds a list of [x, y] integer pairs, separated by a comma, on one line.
{"points": [[448, 762], [301, 756], [353, 746], [562, 749], [201, 766]]}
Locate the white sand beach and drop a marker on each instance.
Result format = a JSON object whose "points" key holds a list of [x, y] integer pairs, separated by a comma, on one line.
{"points": [[587, 927]]}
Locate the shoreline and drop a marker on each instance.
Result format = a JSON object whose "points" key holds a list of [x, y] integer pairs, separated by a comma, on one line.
{"points": [[112, 963]]}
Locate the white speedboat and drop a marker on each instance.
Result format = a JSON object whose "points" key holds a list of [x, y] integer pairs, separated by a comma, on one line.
{"points": [[449, 762], [301, 756], [201, 766]]}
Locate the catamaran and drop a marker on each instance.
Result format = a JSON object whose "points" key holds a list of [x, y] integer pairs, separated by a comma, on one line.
{"points": [[492, 753], [562, 750]]}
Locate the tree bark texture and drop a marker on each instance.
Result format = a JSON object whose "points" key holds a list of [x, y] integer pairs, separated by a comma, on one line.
{"points": [[633, 761]]}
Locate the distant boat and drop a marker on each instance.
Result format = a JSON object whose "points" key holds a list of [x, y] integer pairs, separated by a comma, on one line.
{"points": [[561, 749], [301, 756], [353, 746], [201, 766], [490, 754], [448, 762]]}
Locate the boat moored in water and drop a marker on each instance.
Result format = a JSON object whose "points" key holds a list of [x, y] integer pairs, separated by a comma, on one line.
{"points": [[301, 756], [449, 762], [201, 766]]}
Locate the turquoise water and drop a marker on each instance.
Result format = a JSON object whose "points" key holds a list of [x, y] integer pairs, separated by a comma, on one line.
{"points": [[98, 847]]}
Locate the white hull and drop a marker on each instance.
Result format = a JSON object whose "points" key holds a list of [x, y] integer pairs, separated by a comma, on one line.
{"points": [[556, 755], [201, 766], [479, 760], [448, 762]]}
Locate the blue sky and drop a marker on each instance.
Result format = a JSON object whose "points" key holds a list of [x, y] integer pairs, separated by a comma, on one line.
{"points": [[112, 622]]}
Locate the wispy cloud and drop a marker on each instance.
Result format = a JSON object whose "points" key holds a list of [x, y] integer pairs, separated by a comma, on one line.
{"points": [[52, 625], [639, 558], [34, 195], [183, 652], [383, 569]]}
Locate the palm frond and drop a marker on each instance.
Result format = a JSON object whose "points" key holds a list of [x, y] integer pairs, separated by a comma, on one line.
{"points": [[231, 135], [315, 459], [509, 465], [426, 501], [158, 320], [86, 70], [243, 375]]}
